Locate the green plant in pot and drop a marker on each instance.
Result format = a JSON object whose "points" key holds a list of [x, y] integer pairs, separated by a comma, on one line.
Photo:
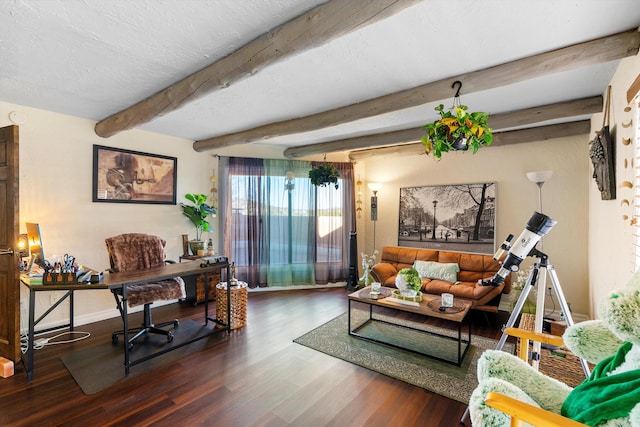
{"points": [[198, 212], [324, 174], [457, 129], [408, 282]]}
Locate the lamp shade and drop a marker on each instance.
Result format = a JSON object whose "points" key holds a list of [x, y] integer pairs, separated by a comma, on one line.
{"points": [[539, 177], [374, 186]]}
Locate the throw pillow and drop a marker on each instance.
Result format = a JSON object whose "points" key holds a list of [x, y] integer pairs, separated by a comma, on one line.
{"points": [[436, 270]]}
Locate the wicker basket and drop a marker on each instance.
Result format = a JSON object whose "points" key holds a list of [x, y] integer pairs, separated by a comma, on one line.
{"points": [[238, 304], [558, 363]]}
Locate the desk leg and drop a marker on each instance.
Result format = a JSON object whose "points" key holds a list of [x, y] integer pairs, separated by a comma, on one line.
{"points": [[125, 321], [71, 310], [30, 333], [206, 298]]}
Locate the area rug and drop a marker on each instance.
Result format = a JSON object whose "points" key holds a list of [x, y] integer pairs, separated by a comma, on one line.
{"points": [[102, 366], [442, 378]]}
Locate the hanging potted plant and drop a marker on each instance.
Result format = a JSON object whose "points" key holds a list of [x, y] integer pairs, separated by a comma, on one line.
{"points": [[457, 129], [198, 212], [324, 174]]}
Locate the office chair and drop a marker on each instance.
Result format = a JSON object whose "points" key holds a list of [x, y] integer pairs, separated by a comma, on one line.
{"points": [[136, 251]]}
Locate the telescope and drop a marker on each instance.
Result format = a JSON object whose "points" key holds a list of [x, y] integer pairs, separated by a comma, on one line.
{"points": [[538, 226]]}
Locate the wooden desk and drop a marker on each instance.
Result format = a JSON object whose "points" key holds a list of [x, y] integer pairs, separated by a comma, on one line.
{"points": [[33, 290], [120, 281]]}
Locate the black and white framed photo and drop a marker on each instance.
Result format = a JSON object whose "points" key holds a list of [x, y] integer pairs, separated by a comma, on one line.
{"points": [[457, 217], [125, 176]]}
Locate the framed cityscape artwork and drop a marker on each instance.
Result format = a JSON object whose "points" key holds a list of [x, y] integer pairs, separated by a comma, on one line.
{"points": [[458, 217], [125, 176]]}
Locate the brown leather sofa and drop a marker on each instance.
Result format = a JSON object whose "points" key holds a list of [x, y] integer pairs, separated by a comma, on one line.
{"points": [[473, 267]]}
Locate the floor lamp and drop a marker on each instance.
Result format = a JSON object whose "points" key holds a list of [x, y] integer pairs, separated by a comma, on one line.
{"points": [[539, 178], [375, 187]]}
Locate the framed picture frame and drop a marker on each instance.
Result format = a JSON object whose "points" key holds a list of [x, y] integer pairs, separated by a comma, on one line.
{"points": [[126, 176], [457, 217]]}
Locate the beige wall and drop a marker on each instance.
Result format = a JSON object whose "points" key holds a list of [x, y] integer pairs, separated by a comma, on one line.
{"points": [[590, 246], [610, 236], [55, 191], [565, 198]]}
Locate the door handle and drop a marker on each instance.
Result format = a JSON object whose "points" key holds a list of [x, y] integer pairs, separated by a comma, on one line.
{"points": [[7, 251]]}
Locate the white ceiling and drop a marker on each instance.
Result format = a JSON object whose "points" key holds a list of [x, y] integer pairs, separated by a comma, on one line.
{"points": [[91, 59]]}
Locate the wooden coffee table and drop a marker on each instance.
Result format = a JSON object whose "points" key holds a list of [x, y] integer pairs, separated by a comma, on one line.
{"points": [[429, 307]]}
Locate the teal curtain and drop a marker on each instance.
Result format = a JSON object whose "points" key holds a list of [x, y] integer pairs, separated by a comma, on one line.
{"points": [[289, 224]]}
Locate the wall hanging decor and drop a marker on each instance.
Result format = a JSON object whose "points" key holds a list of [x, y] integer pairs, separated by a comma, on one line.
{"points": [[457, 218], [359, 199], [602, 155], [125, 176], [457, 129]]}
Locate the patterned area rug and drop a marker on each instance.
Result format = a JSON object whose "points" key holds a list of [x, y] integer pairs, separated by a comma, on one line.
{"points": [[445, 379]]}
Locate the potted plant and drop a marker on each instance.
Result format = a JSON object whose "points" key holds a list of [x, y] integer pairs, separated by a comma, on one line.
{"points": [[198, 212], [457, 130], [408, 281], [324, 174]]}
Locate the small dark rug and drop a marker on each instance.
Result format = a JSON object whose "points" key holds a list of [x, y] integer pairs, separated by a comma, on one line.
{"points": [[102, 366], [442, 378]]}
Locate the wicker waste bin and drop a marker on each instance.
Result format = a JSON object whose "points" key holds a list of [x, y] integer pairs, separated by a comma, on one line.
{"points": [[558, 363], [238, 304]]}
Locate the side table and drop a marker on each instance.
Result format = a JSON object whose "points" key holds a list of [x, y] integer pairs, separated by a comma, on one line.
{"points": [[238, 304]]}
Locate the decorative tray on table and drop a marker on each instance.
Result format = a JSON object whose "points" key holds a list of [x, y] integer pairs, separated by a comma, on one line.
{"points": [[366, 293], [398, 295], [436, 305]]}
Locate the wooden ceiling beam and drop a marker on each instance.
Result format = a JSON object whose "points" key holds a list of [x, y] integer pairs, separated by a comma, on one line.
{"points": [[309, 30], [500, 139], [578, 107], [596, 51]]}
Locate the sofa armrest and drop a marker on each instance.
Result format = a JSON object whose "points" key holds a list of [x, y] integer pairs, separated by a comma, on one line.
{"points": [[382, 271]]}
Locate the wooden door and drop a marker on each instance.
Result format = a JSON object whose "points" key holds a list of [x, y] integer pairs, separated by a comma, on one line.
{"points": [[9, 258]]}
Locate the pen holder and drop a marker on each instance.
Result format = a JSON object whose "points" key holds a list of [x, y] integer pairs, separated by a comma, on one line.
{"points": [[67, 278]]}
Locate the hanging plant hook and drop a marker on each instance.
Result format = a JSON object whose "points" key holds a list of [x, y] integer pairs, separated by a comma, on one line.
{"points": [[459, 84]]}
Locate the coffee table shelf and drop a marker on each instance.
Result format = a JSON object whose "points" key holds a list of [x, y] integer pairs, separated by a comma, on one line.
{"points": [[364, 329]]}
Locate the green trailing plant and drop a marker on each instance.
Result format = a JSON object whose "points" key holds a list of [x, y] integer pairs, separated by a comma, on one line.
{"points": [[198, 212], [324, 174], [412, 277], [457, 129]]}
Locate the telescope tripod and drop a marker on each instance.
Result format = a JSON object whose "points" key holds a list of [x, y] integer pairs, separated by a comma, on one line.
{"points": [[538, 276]]}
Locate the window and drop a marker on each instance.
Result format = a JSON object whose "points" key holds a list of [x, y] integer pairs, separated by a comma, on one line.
{"points": [[282, 231]]}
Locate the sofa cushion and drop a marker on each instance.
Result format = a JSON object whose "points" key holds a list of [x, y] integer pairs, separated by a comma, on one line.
{"points": [[467, 290], [473, 267], [437, 270]]}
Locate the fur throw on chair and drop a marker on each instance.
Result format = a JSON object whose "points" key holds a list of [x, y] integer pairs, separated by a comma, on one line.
{"points": [[137, 251]]}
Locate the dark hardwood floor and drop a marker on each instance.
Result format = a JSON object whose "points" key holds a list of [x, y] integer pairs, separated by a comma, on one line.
{"points": [[259, 377]]}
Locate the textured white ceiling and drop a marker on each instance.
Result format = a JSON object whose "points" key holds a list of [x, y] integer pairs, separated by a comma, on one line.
{"points": [[94, 58]]}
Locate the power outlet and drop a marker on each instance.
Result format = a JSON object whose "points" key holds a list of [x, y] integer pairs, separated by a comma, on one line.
{"points": [[53, 298]]}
